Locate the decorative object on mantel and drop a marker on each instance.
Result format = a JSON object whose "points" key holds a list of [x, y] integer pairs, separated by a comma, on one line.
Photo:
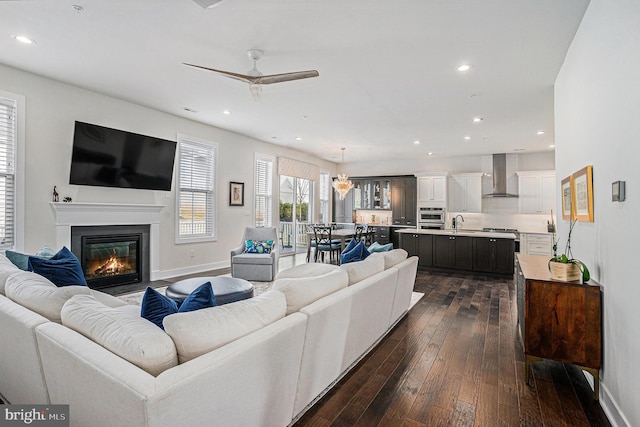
{"points": [[564, 267], [236, 193], [582, 193], [56, 196], [343, 184], [67, 199]]}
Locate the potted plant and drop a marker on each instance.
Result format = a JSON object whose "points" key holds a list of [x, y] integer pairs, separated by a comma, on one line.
{"points": [[565, 267]]}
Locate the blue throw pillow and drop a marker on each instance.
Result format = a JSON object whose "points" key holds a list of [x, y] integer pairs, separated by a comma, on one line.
{"points": [[63, 269], [155, 306], [377, 247], [258, 246], [358, 253], [352, 244], [21, 260]]}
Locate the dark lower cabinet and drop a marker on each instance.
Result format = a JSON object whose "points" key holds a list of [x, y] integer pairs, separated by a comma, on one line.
{"points": [[493, 255], [382, 235], [420, 245], [453, 252]]}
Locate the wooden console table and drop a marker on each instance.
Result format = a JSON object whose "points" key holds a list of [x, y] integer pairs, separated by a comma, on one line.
{"points": [[560, 321]]}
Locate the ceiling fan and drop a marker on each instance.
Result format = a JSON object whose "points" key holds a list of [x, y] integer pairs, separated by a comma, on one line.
{"points": [[256, 79]]}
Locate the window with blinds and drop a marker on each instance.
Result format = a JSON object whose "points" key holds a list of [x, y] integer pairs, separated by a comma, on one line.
{"points": [[264, 191], [196, 190], [323, 212], [8, 110]]}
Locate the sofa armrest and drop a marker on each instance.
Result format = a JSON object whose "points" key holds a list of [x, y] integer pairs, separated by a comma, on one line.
{"points": [[237, 251]]}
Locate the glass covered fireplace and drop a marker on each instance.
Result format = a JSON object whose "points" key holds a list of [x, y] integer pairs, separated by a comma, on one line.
{"points": [[112, 255]]}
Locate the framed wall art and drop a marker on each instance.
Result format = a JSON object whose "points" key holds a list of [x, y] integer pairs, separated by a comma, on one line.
{"points": [[582, 190], [236, 193], [567, 198]]}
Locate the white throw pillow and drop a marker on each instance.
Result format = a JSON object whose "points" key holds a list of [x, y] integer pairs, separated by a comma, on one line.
{"points": [[307, 270], [38, 294], [123, 333], [393, 257], [198, 332], [302, 291], [360, 270]]}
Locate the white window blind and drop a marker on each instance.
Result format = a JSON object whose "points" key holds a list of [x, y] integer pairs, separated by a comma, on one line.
{"points": [[264, 192], [323, 214], [8, 110], [196, 190]]}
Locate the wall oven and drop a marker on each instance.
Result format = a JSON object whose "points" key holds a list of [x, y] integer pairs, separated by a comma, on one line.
{"points": [[430, 218]]}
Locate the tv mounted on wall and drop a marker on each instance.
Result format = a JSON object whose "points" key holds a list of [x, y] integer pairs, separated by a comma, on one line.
{"points": [[108, 157]]}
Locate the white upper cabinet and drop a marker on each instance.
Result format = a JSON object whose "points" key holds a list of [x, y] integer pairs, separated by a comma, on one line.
{"points": [[465, 193], [432, 190], [537, 192]]}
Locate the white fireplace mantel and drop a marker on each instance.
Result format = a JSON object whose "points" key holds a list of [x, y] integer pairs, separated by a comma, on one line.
{"points": [[87, 214]]}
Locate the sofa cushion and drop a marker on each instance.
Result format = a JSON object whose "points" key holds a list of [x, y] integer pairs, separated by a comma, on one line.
{"points": [[359, 271], [63, 269], [199, 332], [38, 294], [7, 268], [245, 258], [21, 260], [394, 257], [123, 333], [377, 247], [307, 270], [358, 253], [302, 291], [258, 246], [155, 306]]}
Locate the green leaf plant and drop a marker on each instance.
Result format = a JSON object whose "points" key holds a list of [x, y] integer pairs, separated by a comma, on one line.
{"points": [[567, 256]]}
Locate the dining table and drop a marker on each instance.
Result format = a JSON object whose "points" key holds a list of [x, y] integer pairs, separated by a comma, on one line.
{"points": [[343, 234]]}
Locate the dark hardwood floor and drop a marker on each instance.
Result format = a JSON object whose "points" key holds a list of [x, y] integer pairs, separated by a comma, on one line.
{"points": [[456, 360]]}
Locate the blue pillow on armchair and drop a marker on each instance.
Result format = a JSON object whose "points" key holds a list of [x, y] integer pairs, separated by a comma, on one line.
{"points": [[62, 269], [358, 253]]}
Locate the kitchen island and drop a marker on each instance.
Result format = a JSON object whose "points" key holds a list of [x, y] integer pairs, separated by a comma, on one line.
{"points": [[462, 250]]}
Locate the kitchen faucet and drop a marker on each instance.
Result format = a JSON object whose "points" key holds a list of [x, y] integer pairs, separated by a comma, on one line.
{"points": [[456, 222]]}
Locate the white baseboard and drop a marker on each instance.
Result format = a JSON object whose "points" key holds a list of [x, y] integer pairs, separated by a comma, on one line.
{"points": [[608, 404], [194, 269]]}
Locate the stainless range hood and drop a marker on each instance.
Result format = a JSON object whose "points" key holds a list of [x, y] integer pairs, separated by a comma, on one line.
{"points": [[500, 177]]}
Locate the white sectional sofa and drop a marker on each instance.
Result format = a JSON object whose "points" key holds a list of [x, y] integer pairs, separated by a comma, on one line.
{"points": [[257, 362]]}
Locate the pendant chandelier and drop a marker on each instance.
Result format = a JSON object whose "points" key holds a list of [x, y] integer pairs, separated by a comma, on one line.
{"points": [[342, 184]]}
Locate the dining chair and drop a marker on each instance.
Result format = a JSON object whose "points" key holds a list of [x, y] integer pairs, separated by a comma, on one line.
{"points": [[312, 241], [324, 243], [358, 233]]}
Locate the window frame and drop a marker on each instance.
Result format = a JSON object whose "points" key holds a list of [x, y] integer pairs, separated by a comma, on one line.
{"points": [[269, 197], [19, 169], [209, 145]]}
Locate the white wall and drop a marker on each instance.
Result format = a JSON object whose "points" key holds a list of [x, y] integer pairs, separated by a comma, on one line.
{"points": [[51, 109], [597, 105]]}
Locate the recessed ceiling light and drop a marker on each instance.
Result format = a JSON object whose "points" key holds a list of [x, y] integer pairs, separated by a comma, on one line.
{"points": [[416, 142], [477, 119], [23, 39], [226, 112], [552, 146], [429, 153], [464, 67], [298, 138], [540, 132], [467, 138]]}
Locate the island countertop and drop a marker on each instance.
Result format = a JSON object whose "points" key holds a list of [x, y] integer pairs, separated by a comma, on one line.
{"points": [[463, 232]]}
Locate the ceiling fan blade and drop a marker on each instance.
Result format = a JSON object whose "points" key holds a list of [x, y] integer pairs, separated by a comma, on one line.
{"points": [[285, 77], [241, 77]]}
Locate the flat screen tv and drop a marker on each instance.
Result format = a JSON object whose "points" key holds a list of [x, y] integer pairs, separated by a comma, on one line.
{"points": [[108, 157]]}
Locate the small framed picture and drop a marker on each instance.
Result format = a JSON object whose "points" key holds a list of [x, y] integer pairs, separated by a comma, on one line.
{"points": [[582, 190], [236, 193], [567, 198]]}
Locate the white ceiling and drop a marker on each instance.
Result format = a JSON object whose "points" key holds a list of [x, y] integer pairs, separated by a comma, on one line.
{"points": [[387, 68]]}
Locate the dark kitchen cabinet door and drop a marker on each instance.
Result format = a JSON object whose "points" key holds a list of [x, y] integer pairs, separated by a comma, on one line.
{"points": [[493, 255], [343, 209], [453, 252], [425, 250], [409, 242], [403, 201]]}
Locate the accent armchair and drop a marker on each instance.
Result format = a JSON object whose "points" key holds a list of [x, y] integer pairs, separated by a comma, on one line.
{"points": [[261, 267]]}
